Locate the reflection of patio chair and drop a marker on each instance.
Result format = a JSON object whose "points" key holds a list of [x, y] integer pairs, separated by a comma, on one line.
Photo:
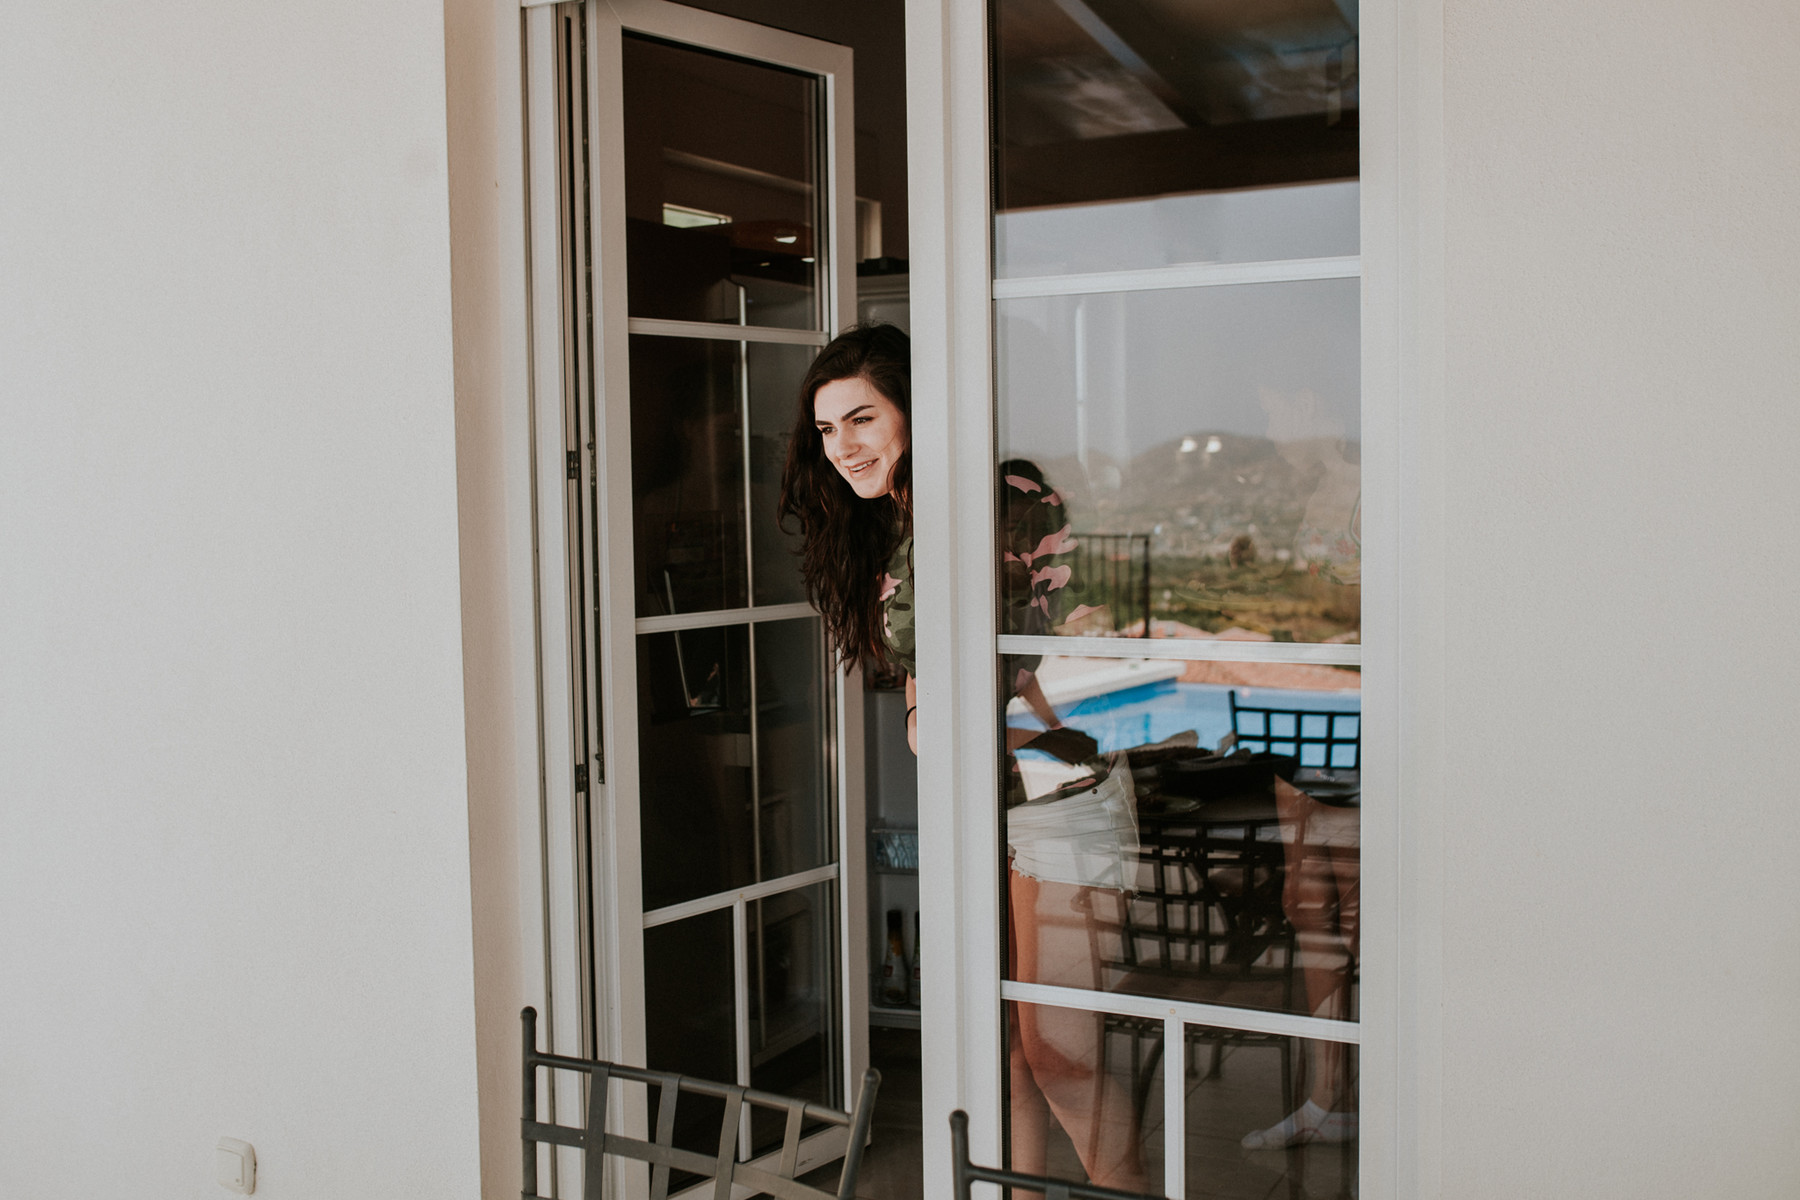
{"points": [[1318, 738], [772, 1175], [1325, 743], [1205, 926], [965, 1174]]}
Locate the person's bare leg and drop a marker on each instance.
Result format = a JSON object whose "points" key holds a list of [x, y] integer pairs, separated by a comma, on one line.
{"points": [[1320, 897], [1029, 1114], [1027, 1108], [1332, 1088], [1062, 1047]]}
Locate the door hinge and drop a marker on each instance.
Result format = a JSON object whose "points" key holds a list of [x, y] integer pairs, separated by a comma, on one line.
{"points": [[581, 777], [574, 465]]}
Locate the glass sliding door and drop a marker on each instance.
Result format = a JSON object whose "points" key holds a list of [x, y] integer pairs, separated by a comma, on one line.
{"points": [[702, 198], [724, 194], [1176, 308]]}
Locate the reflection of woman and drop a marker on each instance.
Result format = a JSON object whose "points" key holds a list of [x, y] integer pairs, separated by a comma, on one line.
{"points": [[1321, 891], [1322, 897], [848, 486], [1069, 865]]}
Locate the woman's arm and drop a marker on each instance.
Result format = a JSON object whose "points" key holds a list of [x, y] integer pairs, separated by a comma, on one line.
{"points": [[1032, 692], [1068, 744]]}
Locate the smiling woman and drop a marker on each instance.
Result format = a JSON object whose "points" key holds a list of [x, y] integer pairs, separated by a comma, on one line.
{"points": [[864, 434], [848, 480]]}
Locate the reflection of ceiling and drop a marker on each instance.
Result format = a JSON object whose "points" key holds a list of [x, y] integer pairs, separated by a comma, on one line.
{"points": [[1097, 67], [1074, 71]]}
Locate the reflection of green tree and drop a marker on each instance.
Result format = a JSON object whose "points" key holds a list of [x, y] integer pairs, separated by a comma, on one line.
{"points": [[1271, 598]]}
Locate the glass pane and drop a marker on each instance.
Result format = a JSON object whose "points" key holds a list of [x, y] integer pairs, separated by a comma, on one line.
{"points": [[1250, 1133], [1084, 1098], [1196, 452], [1146, 98], [796, 830], [689, 1023], [793, 1006], [687, 475], [705, 829], [775, 373], [1307, 221], [688, 455], [694, 762], [721, 183], [1217, 857]]}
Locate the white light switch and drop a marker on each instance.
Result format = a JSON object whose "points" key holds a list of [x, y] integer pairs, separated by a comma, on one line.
{"points": [[236, 1166]]}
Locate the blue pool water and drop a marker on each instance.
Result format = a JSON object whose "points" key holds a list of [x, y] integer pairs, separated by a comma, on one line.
{"points": [[1154, 711]]}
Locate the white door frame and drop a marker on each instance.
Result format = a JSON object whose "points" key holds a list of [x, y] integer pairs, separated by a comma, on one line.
{"points": [[953, 519], [607, 620], [953, 439]]}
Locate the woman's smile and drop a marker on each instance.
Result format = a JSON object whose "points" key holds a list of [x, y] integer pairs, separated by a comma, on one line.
{"points": [[863, 433]]}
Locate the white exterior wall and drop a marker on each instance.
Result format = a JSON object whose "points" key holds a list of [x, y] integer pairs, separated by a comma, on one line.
{"points": [[1616, 630], [234, 851]]}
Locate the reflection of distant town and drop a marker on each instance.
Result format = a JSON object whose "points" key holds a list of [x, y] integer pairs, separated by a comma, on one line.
{"points": [[1212, 532], [1195, 494]]}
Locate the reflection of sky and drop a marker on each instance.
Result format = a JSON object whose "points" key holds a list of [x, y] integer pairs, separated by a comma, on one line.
{"points": [[1141, 715], [1310, 221], [1118, 374], [1115, 374]]}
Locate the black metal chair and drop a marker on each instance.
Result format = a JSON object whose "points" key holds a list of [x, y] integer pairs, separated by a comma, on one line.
{"points": [[723, 1168], [966, 1174], [1317, 738]]}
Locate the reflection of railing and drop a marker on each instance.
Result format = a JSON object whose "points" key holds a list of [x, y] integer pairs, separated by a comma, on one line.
{"points": [[1112, 571]]}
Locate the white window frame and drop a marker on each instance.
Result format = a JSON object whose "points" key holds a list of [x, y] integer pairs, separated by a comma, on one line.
{"points": [[954, 456], [559, 925]]}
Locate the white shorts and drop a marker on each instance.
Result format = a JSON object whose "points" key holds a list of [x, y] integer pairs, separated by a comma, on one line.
{"points": [[1085, 839]]}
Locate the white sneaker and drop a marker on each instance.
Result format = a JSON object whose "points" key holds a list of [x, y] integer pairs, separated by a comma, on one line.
{"points": [[1306, 1124]]}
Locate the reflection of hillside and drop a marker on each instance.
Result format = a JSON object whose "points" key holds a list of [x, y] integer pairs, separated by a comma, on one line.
{"points": [[1192, 500], [1222, 512]]}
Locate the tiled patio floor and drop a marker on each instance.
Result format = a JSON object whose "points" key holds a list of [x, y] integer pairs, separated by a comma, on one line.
{"points": [[1244, 1096]]}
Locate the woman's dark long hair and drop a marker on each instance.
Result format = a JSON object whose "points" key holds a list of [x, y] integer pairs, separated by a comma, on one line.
{"points": [[846, 541]]}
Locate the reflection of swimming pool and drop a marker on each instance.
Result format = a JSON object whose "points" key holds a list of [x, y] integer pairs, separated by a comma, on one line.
{"points": [[1154, 711]]}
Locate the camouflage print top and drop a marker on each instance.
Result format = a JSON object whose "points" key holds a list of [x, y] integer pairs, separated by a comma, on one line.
{"points": [[1037, 551], [897, 608]]}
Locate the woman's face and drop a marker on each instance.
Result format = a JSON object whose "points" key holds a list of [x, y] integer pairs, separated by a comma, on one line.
{"points": [[864, 434]]}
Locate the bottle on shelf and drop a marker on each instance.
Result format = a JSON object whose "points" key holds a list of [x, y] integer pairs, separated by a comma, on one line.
{"points": [[893, 967], [912, 987]]}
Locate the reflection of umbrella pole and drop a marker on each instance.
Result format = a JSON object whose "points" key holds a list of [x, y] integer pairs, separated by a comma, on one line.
{"points": [[1081, 388]]}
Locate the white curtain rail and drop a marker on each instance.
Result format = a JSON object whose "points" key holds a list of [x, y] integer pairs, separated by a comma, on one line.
{"points": [[1184, 275]]}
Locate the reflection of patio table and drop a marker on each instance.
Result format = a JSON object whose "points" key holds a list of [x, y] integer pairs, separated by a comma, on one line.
{"points": [[1209, 897], [1245, 812], [1212, 876]]}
